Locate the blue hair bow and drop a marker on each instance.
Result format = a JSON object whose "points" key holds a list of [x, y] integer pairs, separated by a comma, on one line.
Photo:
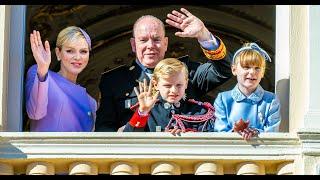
{"points": [[253, 46]]}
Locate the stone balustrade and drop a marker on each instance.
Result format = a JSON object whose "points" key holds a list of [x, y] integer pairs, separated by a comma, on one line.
{"points": [[158, 168], [147, 153]]}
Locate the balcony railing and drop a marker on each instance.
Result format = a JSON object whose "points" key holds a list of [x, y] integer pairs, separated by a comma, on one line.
{"points": [[147, 153]]}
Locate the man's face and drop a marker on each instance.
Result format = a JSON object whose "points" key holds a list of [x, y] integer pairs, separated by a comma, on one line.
{"points": [[149, 42]]}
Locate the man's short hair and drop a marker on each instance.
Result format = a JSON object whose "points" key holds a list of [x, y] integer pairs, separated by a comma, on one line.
{"points": [[146, 17]]}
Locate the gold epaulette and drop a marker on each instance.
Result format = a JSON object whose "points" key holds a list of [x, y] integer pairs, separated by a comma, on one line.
{"points": [[217, 54], [113, 69]]}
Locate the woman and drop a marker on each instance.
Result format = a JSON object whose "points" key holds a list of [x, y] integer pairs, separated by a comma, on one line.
{"points": [[54, 101]]}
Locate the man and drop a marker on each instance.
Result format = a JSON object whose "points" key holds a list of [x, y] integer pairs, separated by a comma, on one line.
{"points": [[150, 44]]}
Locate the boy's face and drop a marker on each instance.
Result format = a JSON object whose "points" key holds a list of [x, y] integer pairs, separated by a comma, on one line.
{"points": [[248, 77], [172, 88]]}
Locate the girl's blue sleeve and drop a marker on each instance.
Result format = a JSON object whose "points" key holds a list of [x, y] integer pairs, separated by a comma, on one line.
{"points": [[274, 118], [221, 123]]}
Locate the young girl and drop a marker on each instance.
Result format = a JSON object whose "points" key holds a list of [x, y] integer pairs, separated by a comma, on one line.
{"points": [[170, 79], [248, 104], [54, 101]]}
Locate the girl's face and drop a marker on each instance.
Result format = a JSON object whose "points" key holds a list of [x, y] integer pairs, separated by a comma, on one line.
{"points": [[248, 77], [172, 88], [74, 56]]}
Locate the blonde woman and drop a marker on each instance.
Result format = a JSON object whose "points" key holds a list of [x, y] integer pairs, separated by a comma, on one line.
{"points": [[54, 100]]}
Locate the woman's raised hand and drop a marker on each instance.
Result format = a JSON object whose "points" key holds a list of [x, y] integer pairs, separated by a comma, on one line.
{"points": [[145, 97], [41, 54]]}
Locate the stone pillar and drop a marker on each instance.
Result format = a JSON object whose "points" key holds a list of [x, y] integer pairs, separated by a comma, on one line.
{"points": [[83, 168], [165, 168], [250, 168], [304, 67], [304, 83], [208, 168], [282, 63], [40, 168], [124, 168], [6, 169], [285, 168], [312, 116], [4, 56]]}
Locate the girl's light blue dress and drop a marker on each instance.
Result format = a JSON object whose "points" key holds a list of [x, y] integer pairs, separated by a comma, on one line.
{"points": [[261, 108]]}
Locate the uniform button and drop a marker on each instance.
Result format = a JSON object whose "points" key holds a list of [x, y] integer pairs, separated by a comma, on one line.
{"points": [[166, 105], [131, 68], [158, 128]]}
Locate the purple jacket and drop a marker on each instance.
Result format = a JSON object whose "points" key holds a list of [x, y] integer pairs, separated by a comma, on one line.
{"points": [[57, 104]]}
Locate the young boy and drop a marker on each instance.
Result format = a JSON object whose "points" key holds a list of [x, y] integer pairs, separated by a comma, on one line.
{"points": [[171, 112], [248, 109]]}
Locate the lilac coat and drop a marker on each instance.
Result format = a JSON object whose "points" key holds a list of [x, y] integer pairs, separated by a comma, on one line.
{"points": [[57, 104]]}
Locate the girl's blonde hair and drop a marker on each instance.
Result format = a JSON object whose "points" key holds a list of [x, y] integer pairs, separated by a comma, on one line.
{"points": [[70, 33], [247, 56], [167, 67]]}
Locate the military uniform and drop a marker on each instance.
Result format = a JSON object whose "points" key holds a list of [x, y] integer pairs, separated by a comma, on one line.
{"points": [[162, 113], [117, 94]]}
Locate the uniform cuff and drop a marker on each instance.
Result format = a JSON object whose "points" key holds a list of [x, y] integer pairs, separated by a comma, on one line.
{"points": [[209, 44], [217, 54], [138, 121]]}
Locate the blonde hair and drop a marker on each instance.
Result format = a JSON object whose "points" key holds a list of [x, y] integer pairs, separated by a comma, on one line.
{"points": [[167, 67], [70, 33], [250, 57]]}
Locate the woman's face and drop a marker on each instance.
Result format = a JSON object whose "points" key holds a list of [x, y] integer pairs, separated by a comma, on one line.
{"points": [[74, 56], [172, 88]]}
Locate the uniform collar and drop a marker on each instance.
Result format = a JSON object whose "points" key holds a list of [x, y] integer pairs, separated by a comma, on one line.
{"points": [[144, 69], [256, 96], [167, 105], [137, 72]]}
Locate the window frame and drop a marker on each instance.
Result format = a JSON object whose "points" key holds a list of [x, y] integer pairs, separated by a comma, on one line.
{"points": [[15, 94]]}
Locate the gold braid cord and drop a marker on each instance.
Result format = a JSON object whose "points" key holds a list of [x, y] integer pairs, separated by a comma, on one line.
{"points": [[217, 54]]}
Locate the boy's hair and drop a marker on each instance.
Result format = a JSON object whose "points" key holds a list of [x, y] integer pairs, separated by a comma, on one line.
{"points": [[168, 67], [251, 55], [70, 33]]}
